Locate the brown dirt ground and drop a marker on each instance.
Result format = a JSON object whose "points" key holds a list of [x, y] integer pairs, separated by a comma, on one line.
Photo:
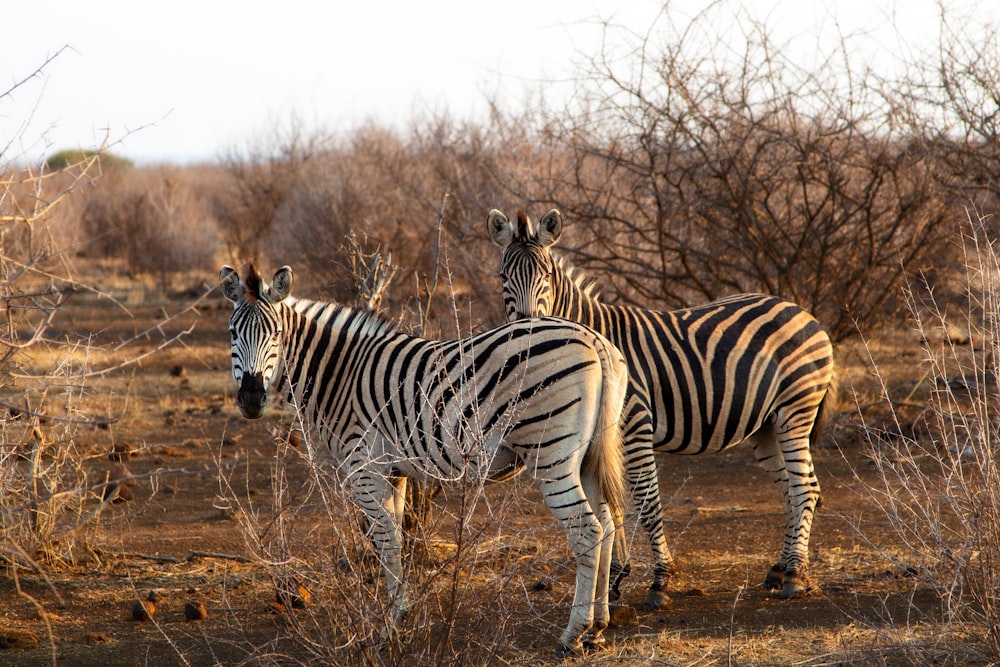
{"points": [[190, 533]]}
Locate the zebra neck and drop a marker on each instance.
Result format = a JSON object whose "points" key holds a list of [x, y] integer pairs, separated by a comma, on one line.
{"points": [[327, 338], [573, 299]]}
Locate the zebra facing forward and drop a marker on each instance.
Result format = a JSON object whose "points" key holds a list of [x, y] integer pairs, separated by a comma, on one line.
{"points": [[700, 380], [541, 395]]}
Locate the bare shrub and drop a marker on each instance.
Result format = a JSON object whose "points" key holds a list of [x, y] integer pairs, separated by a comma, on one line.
{"points": [[940, 470], [262, 179], [153, 219], [465, 582], [42, 482], [706, 168], [949, 98]]}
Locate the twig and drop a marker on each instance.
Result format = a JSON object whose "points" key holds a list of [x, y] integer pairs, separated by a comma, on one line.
{"points": [[191, 555], [424, 309], [732, 623], [99, 422]]}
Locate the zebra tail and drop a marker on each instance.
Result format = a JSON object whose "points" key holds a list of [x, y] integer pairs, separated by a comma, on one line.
{"points": [[828, 407], [605, 458]]}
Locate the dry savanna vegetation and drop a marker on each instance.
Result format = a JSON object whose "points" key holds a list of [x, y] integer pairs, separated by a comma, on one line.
{"points": [[143, 521]]}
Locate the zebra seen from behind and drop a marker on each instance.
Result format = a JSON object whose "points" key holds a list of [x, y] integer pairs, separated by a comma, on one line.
{"points": [[700, 380], [542, 395]]}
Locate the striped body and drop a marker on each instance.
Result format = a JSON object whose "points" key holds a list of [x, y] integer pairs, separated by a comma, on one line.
{"points": [[541, 395], [700, 380]]}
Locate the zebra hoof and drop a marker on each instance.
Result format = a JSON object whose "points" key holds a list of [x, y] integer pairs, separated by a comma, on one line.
{"points": [[656, 600], [775, 578], [795, 584], [618, 574], [569, 650], [594, 644]]}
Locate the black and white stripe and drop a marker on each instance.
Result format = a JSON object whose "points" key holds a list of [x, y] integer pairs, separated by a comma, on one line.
{"points": [[700, 380], [542, 395]]}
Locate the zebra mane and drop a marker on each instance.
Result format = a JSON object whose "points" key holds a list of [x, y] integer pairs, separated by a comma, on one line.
{"points": [[254, 284], [359, 320], [371, 322], [588, 286], [523, 230]]}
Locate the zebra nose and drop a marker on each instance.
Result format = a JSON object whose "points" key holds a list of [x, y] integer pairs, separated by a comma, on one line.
{"points": [[251, 398]]}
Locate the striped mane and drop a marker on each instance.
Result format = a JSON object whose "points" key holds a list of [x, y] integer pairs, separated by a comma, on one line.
{"points": [[587, 286], [362, 322], [371, 323], [254, 283]]}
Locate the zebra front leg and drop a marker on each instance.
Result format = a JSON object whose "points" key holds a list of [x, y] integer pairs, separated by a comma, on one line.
{"points": [[644, 488], [377, 496], [620, 567]]}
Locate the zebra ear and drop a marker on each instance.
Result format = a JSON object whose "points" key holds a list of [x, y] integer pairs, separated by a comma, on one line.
{"points": [[549, 228], [281, 285], [499, 228], [232, 287]]}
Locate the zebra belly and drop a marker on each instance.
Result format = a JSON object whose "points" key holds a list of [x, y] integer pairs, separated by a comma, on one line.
{"points": [[485, 461]]}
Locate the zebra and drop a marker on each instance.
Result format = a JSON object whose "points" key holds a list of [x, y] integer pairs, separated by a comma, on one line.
{"points": [[542, 395], [701, 379]]}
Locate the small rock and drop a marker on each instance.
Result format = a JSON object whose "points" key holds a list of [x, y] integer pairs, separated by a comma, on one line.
{"points": [[195, 611], [118, 489], [623, 616], [18, 639], [121, 451], [291, 592], [143, 610]]}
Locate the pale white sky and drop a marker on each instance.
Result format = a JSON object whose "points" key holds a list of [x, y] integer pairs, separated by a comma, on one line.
{"points": [[187, 80]]}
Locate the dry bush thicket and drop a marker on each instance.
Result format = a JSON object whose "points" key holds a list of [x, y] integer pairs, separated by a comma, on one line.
{"points": [[50, 493], [938, 453], [158, 220], [693, 169], [42, 481], [392, 189], [685, 173], [465, 579]]}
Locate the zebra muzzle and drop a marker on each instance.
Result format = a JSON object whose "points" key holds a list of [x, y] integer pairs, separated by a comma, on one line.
{"points": [[251, 398]]}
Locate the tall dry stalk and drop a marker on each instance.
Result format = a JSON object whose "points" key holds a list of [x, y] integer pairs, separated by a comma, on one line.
{"points": [[940, 481]]}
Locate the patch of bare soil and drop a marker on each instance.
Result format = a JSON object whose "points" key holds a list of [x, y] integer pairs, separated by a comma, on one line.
{"points": [[219, 510]]}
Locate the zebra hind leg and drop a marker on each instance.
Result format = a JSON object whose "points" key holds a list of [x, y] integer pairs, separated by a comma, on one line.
{"points": [[580, 520], [595, 639], [789, 460]]}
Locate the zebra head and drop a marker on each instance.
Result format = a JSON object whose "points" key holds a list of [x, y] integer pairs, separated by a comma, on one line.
{"points": [[527, 267], [255, 331]]}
